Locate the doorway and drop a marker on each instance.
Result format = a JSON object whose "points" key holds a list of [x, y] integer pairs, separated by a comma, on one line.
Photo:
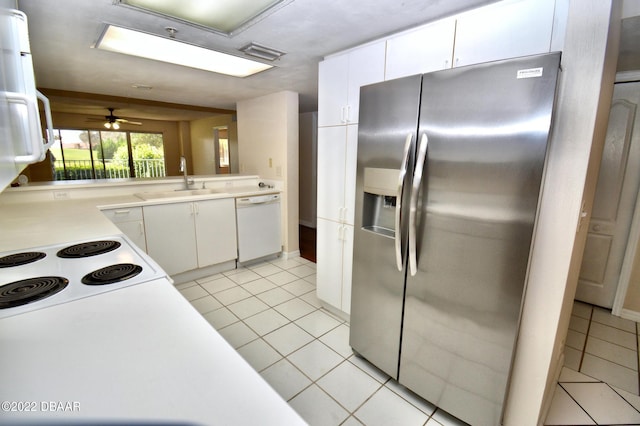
{"points": [[221, 149], [614, 202]]}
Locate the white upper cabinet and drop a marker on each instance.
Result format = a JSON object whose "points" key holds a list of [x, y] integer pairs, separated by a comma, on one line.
{"points": [[503, 30], [333, 79], [340, 78], [428, 48]]}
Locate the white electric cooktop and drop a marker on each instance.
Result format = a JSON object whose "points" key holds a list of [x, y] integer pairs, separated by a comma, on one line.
{"points": [[41, 277]]}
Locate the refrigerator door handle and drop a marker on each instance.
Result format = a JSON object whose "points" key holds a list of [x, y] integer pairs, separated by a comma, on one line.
{"points": [[413, 211], [401, 177]]}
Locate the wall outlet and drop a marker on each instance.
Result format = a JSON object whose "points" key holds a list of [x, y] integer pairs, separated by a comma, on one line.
{"points": [[270, 162], [279, 171], [60, 195]]}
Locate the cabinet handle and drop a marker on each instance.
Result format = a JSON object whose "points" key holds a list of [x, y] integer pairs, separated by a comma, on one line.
{"points": [[197, 208], [141, 227], [122, 211], [348, 115]]}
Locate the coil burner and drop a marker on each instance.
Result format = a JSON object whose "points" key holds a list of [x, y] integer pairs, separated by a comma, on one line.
{"points": [[21, 292]]}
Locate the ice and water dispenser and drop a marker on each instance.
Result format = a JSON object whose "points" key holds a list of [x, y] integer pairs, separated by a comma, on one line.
{"points": [[379, 200]]}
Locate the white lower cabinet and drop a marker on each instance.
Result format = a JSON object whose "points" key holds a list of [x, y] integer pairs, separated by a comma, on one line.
{"points": [[334, 253], [129, 221], [186, 236]]}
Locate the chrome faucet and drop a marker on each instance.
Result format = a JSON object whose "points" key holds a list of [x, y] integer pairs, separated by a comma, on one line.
{"points": [[183, 169]]}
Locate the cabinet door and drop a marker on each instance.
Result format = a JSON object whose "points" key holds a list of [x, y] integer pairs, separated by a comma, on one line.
{"points": [[135, 232], [215, 222], [329, 262], [347, 267], [366, 66], [331, 166], [333, 83], [429, 48], [171, 239], [503, 30], [350, 166]]}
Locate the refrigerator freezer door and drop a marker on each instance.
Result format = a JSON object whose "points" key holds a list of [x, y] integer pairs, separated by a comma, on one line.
{"points": [[388, 118], [488, 127]]}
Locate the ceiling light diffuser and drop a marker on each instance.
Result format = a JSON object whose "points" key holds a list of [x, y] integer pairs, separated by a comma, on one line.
{"points": [[223, 16], [145, 45]]}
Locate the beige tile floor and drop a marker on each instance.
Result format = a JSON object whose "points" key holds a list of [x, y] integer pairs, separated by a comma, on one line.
{"points": [[269, 312], [599, 383]]}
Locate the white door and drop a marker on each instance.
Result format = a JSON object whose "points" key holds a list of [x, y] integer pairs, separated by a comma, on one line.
{"points": [[333, 79], [616, 192], [505, 29], [426, 49], [366, 66], [329, 261], [331, 167], [215, 222], [171, 239]]}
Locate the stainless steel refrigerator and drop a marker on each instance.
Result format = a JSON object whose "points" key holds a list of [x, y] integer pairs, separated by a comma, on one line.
{"points": [[449, 174]]}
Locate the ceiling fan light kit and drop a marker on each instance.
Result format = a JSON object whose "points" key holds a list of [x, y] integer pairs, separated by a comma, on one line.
{"points": [[113, 122]]}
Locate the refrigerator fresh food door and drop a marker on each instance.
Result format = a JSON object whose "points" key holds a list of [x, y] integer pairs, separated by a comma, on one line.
{"points": [[487, 127], [21, 141], [386, 145]]}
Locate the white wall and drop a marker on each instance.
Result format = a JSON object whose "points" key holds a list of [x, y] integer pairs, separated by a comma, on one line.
{"points": [[588, 64], [268, 147], [308, 168], [202, 145]]}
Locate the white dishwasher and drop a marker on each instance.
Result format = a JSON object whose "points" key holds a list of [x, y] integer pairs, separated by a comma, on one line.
{"points": [[258, 219]]}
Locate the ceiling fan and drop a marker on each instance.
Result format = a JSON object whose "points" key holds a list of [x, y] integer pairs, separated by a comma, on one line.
{"points": [[113, 122]]}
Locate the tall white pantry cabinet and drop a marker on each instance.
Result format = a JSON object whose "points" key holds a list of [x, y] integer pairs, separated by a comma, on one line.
{"points": [[501, 30]]}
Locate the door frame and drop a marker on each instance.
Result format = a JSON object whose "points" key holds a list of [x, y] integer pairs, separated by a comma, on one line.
{"points": [[627, 267], [634, 237]]}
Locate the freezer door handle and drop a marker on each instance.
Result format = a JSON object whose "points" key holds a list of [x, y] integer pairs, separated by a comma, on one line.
{"points": [[401, 177], [413, 211]]}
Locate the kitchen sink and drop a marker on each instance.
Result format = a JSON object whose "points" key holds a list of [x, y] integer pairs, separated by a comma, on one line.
{"points": [[178, 193]]}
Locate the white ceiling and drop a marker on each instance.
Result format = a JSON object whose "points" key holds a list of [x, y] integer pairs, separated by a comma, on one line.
{"points": [[63, 31]]}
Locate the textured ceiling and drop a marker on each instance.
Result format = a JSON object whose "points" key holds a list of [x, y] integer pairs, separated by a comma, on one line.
{"points": [[63, 31]]}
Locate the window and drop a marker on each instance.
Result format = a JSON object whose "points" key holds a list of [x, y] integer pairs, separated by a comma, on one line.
{"points": [[95, 154]]}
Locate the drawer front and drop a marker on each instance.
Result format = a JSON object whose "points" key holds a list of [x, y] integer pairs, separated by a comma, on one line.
{"points": [[126, 214]]}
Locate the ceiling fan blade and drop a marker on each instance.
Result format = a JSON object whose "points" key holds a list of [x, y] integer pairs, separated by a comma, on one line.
{"points": [[124, 120]]}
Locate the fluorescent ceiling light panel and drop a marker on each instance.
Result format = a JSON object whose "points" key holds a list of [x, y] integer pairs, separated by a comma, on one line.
{"points": [[225, 16], [144, 45]]}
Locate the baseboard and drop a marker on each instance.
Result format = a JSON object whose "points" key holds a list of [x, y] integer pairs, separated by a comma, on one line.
{"points": [[290, 254], [335, 311], [203, 272], [630, 315]]}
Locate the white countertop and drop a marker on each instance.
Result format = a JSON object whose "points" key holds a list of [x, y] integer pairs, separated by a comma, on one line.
{"points": [[141, 353], [38, 223]]}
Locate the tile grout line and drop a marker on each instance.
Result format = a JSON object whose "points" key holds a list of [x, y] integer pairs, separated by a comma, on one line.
{"points": [[350, 413], [621, 396], [586, 340], [574, 400]]}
